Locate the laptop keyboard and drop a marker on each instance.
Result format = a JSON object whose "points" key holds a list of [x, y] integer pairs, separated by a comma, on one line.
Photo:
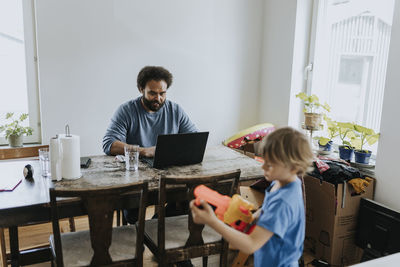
{"points": [[149, 161]]}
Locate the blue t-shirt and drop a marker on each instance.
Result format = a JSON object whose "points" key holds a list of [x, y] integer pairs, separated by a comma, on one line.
{"points": [[282, 213], [132, 124]]}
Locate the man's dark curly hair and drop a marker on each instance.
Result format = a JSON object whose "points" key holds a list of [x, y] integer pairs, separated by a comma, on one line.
{"points": [[155, 73]]}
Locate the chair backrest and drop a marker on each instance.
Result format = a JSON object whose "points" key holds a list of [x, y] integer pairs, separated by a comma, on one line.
{"points": [[303, 189], [20, 152], [100, 204], [225, 183]]}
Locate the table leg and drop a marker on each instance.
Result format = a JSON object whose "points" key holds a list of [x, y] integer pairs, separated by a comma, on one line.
{"points": [[14, 246]]}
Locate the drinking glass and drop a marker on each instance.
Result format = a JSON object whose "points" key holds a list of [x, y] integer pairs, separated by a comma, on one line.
{"points": [[131, 157], [44, 159]]}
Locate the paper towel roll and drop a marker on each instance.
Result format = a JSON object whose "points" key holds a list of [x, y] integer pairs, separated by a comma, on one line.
{"points": [[55, 159], [71, 166]]}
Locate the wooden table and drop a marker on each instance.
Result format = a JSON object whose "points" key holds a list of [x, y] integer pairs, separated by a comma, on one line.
{"points": [[29, 202]]}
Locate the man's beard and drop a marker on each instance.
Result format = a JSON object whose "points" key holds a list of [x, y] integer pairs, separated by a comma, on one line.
{"points": [[152, 104]]}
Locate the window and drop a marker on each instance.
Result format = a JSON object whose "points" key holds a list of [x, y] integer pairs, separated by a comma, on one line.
{"points": [[349, 54], [18, 74]]}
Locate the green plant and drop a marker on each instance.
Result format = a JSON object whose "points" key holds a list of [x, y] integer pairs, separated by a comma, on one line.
{"points": [[311, 103], [346, 133], [364, 135], [333, 131], [14, 127]]}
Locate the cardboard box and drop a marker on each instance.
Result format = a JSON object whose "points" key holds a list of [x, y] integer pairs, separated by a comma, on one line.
{"points": [[252, 195], [331, 220]]}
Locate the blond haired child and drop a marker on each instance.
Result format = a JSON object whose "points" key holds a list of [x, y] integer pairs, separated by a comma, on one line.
{"points": [[278, 237]]}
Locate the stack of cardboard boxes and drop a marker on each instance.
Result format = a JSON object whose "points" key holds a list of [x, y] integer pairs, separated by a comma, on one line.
{"points": [[331, 221]]}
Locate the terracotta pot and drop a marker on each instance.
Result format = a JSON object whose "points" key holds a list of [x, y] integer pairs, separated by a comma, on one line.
{"points": [[15, 140], [312, 120]]}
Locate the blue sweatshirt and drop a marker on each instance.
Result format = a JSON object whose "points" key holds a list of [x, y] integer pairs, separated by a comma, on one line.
{"points": [[132, 124]]}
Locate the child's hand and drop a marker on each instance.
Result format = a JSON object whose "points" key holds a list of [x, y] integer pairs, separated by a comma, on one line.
{"points": [[204, 215]]}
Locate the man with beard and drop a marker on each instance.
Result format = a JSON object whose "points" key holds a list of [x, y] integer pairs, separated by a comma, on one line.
{"points": [[141, 120]]}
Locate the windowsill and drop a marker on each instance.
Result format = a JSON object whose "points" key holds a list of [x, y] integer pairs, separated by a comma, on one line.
{"points": [[28, 150], [5, 146]]}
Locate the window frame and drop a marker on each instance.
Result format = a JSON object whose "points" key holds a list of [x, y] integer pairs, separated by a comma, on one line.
{"points": [[29, 22], [317, 4], [310, 72], [309, 69]]}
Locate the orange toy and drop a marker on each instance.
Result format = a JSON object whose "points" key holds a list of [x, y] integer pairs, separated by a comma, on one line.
{"points": [[229, 210]]}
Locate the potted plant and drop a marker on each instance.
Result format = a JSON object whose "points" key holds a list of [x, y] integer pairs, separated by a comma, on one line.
{"points": [[14, 131], [364, 135], [325, 143], [311, 107], [346, 133]]}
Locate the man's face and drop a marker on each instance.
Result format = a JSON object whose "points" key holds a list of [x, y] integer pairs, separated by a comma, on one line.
{"points": [[154, 95]]}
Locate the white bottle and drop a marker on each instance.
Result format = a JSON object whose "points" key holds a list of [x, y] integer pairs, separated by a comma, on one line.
{"points": [[56, 156]]}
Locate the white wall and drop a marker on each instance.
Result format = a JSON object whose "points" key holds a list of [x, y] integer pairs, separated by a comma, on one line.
{"points": [[388, 183], [287, 26], [91, 51], [277, 59]]}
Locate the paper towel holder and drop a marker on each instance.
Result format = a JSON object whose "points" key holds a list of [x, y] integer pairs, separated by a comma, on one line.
{"points": [[67, 132]]}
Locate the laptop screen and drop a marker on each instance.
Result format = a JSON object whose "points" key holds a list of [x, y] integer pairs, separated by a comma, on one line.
{"points": [[180, 149]]}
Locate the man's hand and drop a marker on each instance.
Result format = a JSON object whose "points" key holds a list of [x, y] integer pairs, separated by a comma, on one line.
{"points": [[117, 148], [147, 151], [202, 216]]}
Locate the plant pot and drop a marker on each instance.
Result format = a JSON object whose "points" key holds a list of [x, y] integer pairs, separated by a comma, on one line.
{"points": [[346, 153], [327, 147], [361, 156], [16, 140], [312, 120]]}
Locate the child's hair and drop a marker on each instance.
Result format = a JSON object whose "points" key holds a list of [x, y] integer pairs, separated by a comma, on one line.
{"points": [[289, 147]]}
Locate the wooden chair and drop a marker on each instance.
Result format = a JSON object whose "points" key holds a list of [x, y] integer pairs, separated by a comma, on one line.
{"points": [[178, 238], [3, 255], [102, 244]]}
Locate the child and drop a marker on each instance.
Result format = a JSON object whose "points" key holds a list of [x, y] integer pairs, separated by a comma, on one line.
{"points": [[278, 237]]}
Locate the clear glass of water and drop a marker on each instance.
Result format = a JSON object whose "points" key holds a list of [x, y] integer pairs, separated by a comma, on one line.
{"points": [[131, 157], [44, 160]]}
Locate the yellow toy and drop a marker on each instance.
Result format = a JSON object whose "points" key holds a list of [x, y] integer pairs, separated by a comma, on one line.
{"points": [[228, 210]]}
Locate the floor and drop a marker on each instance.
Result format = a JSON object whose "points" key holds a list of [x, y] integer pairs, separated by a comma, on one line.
{"points": [[213, 261], [31, 236]]}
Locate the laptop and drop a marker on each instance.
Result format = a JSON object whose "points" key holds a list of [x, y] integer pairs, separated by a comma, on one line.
{"points": [[178, 149]]}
